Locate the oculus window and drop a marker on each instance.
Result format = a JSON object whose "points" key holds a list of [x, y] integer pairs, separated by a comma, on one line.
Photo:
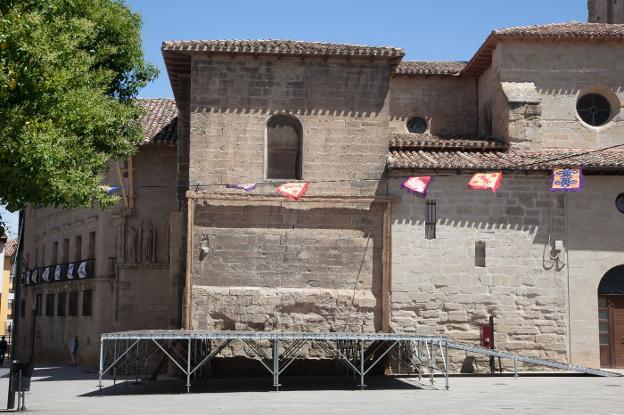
{"points": [[594, 109], [284, 147], [416, 125]]}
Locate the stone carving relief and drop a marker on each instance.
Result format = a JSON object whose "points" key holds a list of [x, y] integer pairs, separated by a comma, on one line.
{"points": [[131, 245], [148, 241]]}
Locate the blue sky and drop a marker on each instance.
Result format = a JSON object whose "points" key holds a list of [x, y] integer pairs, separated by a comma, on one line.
{"points": [[426, 30]]}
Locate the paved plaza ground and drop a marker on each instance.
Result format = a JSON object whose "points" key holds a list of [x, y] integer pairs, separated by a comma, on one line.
{"points": [[68, 391]]}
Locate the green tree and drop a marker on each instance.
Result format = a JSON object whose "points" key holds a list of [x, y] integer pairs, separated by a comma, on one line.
{"points": [[69, 70]]}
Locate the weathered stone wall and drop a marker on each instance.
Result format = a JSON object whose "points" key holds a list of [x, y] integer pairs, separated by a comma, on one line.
{"points": [[278, 267], [143, 293], [272, 268], [341, 106], [436, 287], [448, 104], [605, 11], [563, 72], [595, 245]]}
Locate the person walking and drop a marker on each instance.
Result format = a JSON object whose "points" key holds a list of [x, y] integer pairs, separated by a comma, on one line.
{"points": [[73, 350], [4, 348]]}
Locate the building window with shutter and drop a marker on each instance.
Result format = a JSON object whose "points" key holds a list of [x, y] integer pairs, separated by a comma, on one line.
{"points": [[49, 309], [38, 304], [87, 300], [430, 219], [78, 249], [284, 147], [91, 245], [60, 304], [73, 304]]}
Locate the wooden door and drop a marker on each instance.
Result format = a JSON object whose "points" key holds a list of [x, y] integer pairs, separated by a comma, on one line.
{"points": [[617, 330]]}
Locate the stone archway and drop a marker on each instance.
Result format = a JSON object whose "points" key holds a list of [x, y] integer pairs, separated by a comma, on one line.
{"points": [[611, 318]]}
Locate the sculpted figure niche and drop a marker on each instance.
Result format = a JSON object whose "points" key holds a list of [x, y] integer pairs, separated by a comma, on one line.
{"points": [[131, 243], [148, 242]]}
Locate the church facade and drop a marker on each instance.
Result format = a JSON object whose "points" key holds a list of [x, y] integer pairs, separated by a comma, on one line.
{"points": [[201, 239]]}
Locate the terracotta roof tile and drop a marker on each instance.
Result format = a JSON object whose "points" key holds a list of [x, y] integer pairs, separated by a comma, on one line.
{"points": [[281, 47], [564, 30], [429, 68], [429, 141], [507, 160], [159, 120], [10, 247], [569, 31]]}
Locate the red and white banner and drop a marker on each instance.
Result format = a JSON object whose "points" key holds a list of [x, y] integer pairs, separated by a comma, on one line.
{"points": [[417, 185], [292, 191], [486, 181]]}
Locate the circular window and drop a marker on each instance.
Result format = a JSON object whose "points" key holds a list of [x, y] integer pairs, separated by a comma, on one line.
{"points": [[619, 202], [416, 125], [594, 109]]}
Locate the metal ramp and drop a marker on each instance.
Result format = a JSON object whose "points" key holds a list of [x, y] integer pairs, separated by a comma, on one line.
{"points": [[531, 360]]}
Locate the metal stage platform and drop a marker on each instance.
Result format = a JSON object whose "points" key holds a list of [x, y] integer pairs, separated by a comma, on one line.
{"points": [[192, 350]]}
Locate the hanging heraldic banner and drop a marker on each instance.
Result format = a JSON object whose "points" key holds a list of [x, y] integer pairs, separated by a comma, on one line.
{"points": [[486, 181], [566, 179], [417, 185], [292, 191]]}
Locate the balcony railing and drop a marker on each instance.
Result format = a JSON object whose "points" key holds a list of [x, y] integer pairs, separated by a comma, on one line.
{"points": [[60, 272]]}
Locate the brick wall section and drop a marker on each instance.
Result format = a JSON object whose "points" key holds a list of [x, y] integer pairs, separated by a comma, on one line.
{"points": [[447, 103], [436, 287]]}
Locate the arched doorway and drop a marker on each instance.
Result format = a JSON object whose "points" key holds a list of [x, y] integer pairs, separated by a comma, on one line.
{"points": [[611, 318]]}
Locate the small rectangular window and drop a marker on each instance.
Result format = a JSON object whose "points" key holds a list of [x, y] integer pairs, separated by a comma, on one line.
{"points": [[78, 248], [430, 219], [49, 305], [73, 304], [91, 245], [65, 250], [87, 298], [38, 301], [480, 254], [23, 309], [60, 304], [36, 257], [43, 256], [54, 252]]}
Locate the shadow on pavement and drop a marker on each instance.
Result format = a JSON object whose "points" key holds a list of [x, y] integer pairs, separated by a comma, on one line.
{"points": [[53, 373], [227, 385]]}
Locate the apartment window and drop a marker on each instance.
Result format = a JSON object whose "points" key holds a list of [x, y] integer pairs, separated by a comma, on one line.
{"points": [[23, 309], [38, 301], [73, 304], [91, 245], [36, 257], [284, 147], [49, 310], [78, 248], [55, 252], [430, 219], [87, 299], [65, 250], [43, 249], [60, 304]]}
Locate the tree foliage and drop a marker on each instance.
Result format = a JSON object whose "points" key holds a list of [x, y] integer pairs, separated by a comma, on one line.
{"points": [[69, 70]]}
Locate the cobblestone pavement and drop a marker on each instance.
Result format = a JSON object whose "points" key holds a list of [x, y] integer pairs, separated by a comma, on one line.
{"points": [[74, 391]]}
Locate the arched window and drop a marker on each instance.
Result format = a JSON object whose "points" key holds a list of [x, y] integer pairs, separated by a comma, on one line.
{"points": [[284, 145]]}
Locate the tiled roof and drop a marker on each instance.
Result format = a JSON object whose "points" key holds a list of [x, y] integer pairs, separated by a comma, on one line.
{"points": [[565, 30], [281, 47], [159, 120], [507, 160], [10, 247], [429, 68], [428, 141], [555, 31]]}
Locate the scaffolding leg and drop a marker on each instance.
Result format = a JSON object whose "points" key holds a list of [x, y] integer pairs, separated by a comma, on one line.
{"points": [[515, 362], [419, 354], [276, 364], [115, 368], [188, 367], [446, 365], [101, 363], [362, 365]]}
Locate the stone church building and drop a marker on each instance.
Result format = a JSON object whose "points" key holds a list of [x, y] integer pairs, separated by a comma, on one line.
{"points": [[357, 252]]}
